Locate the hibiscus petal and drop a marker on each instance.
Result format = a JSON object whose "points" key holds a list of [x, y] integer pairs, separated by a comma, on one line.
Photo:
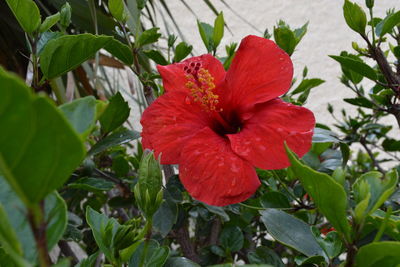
{"points": [[261, 140], [260, 71], [169, 122], [174, 76], [212, 173]]}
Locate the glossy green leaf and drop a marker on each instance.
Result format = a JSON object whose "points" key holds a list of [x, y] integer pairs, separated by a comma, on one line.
{"points": [[165, 218], [218, 32], [81, 114], [328, 195], [27, 13], [55, 216], [307, 84], [290, 231], [180, 262], [117, 138], [274, 200], [206, 33], [120, 51], [49, 22], [265, 255], [356, 66], [285, 39], [117, 9], [387, 25], [148, 37], [379, 254], [67, 52], [376, 187], [359, 101], [36, 155], [182, 50], [88, 262], [115, 114], [156, 56], [92, 184], [156, 255], [355, 17], [104, 230], [232, 238]]}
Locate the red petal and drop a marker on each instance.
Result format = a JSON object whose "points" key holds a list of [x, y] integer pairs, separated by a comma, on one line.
{"points": [[261, 141], [260, 71], [213, 174], [169, 122], [174, 77]]}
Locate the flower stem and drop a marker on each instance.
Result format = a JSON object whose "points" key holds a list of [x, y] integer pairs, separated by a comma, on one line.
{"points": [[148, 227]]}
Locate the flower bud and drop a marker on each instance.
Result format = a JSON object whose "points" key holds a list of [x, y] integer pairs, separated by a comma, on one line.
{"points": [[369, 3], [65, 15]]}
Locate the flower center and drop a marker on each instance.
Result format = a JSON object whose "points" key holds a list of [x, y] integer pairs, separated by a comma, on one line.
{"points": [[201, 85]]}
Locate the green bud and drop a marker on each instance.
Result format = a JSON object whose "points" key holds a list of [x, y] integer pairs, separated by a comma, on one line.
{"points": [[171, 40], [65, 15], [369, 3]]}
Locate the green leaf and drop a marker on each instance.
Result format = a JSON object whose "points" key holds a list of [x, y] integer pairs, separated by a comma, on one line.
{"points": [[274, 200], [55, 216], [49, 22], [114, 139], [291, 232], [180, 262], [182, 50], [156, 56], [379, 188], [38, 147], [285, 38], [148, 37], [328, 195], [359, 101], [45, 38], [378, 254], [332, 244], [92, 184], [232, 238], [115, 114], [120, 51], [324, 136], [387, 25], [206, 32], [104, 230], [67, 52], [265, 255], [165, 217], [307, 84], [218, 31], [356, 66], [390, 144], [88, 262], [117, 9], [156, 256], [81, 114], [355, 17], [27, 13]]}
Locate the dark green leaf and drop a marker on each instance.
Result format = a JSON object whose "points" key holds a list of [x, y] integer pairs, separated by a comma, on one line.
{"points": [[120, 51], [356, 66], [232, 239], [81, 114], [88, 262], [156, 256], [156, 56], [45, 38], [359, 101], [148, 37], [65, 15], [180, 262], [275, 200], [345, 149], [290, 231], [355, 17], [67, 52], [387, 25], [307, 84], [328, 195], [36, 155], [92, 184], [379, 254], [206, 32], [390, 144], [114, 139], [324, 136], [219, 211], [115, 114], [265, 255], [332, 244], [27, 13], [218, 32], [285, 38], [49, 22], [182, 50], [165, 217]]}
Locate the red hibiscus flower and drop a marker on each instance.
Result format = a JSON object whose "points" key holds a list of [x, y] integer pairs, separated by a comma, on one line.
{"points": [[219, 125]]}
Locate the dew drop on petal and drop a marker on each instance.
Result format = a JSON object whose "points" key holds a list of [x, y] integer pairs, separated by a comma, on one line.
{"points": [[187, 100]]}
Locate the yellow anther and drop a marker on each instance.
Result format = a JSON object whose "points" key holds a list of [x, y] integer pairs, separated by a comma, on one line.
{"points": [[201, 89]]}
